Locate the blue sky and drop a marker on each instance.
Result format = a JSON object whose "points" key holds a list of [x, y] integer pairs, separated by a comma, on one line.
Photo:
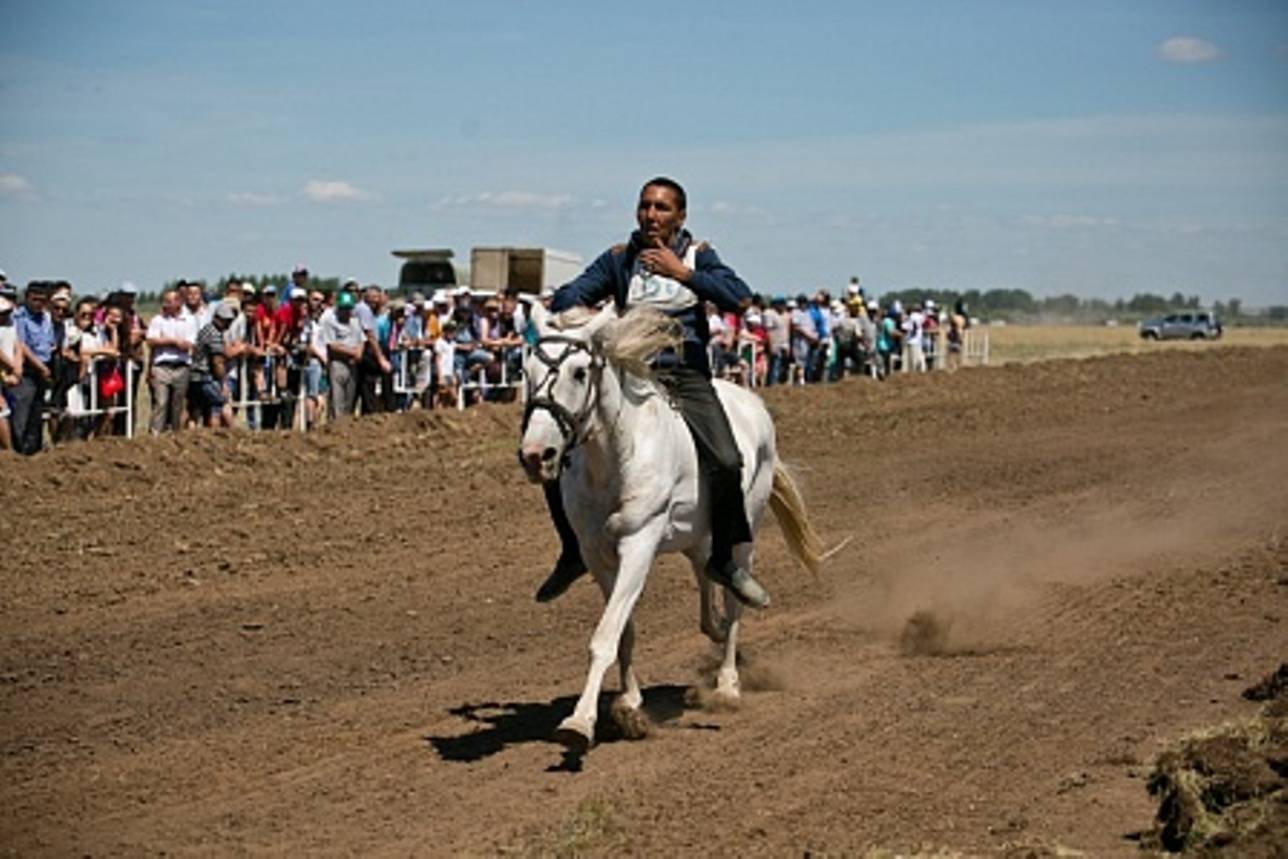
{"points": [[1101, 148]]}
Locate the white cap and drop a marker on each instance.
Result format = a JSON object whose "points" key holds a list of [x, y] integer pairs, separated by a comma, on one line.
{"points": [[791, 304], [930, 303], [3, 276], [128, 288], [270, 290], [5, 304], [349, 280], [872, 304], [852, 289]]}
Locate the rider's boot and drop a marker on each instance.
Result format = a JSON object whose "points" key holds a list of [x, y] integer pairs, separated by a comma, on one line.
{"points": [[728, 527], [570, 566]]}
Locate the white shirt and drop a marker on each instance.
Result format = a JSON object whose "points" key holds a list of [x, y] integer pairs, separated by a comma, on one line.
{"points": [[175, 328]]}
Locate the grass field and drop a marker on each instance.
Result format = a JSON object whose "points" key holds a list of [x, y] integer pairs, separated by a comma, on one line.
{"points": [[1023, 343]]}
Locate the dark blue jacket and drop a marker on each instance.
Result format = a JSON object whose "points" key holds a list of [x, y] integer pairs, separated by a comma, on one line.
{"points": [[609, 276]]}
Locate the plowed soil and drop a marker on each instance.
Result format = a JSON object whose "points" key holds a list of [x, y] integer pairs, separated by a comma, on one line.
{"points": [[229, 643]]}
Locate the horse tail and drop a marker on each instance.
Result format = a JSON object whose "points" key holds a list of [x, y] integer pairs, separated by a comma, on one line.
{"points": [[789, 509]]}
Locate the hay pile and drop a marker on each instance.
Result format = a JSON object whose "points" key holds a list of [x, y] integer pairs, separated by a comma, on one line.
{"points": [[1224, 790]]}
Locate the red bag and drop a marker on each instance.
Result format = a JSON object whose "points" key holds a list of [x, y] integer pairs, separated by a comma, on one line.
{"points": [[111, 384]]}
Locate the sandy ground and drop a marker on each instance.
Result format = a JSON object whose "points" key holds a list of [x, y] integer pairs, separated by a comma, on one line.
{"points": [[226, 643]]}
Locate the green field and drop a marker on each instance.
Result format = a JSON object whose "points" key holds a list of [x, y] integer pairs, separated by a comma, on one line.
{"points": [[1023, 343]]}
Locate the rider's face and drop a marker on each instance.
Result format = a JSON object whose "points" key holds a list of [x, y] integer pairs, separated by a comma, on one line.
{"points": [[659, 214]]}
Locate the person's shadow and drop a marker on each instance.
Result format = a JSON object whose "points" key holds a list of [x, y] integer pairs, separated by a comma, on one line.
{"points": [[499, 726]]}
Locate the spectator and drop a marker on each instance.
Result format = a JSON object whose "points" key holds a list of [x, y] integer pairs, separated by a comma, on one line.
{"points": [[805, 338], [776, 332], [956, 336], [313, 402], [35, 333], [819, 315], [300, 278], [206, 379], [468, 352], [867, 324], [112, 361], [341, 337], [133, 331], [170, 339], [445, 355], [498, 335], [889, 340], [64, 371], [930, 334], [845, 337], [10, 362], [267, 355], [194, 303], [374, 366], [913, 333], [82, 347]]}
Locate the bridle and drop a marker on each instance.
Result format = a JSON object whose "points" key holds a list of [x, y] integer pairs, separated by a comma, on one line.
{"points": [[571, 426]]}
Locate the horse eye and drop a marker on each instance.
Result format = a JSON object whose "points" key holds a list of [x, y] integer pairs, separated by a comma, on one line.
{"points": [[580, 374]]}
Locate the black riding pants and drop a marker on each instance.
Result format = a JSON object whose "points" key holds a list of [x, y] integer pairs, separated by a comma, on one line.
{"points": [[718, 458]]}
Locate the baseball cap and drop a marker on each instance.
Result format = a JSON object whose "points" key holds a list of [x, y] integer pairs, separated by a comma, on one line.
{"points": [[300, 268], [345, 300], [128, 288], [301, 294], [225, 311], [270, 290], [852, 289], [350, 281], [872, 304]]}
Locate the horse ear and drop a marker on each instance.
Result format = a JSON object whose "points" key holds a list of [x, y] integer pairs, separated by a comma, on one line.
{"points": [[540, 316], [607, 314]]}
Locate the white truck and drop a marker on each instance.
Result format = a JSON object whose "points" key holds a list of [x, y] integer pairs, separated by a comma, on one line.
{"points": [[528, 270]]}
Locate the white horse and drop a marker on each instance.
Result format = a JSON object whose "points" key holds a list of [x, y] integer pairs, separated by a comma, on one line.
{"points": [[628, 470]]}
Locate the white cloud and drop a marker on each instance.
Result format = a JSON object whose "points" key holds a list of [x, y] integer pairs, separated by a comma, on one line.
{"points": [[333, 191], [250, 198], [1061, 222], [1188, 49], [510, 200], [13, 185]]}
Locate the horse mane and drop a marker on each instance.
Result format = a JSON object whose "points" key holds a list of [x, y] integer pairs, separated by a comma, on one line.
{"points": [[630, 340], [633, 338]]}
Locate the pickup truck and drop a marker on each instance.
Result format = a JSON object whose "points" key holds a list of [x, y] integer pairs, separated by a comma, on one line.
{"points": [[1196, 325]]}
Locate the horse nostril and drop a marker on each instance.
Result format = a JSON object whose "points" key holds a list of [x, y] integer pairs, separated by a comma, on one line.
{"points": [[548, 454]]}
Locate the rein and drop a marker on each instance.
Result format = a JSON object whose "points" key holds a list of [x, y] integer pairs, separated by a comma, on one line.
{"points": [[571, 426]]}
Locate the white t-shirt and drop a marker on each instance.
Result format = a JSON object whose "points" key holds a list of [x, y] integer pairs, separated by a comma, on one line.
{"points": [[445, 353], [172, 327], [9, 342], [913, 327]]}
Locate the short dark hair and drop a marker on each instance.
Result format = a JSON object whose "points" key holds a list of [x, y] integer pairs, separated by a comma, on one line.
{"points": [[38, 287], [681, 198], [84, 300]]}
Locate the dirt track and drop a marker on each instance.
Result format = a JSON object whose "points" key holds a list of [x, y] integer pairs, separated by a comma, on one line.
{"points": [[230, 643]]}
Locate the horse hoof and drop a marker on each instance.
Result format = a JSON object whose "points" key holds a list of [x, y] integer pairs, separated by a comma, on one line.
{"points": [[724, 701], [631, 721], [573, 736]]}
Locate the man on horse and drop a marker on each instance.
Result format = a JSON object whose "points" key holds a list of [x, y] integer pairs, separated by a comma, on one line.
{"points": [[662, 266]]}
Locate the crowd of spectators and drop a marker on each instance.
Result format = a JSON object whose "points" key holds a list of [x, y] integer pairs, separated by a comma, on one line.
{"points": [[291, 355], [813, 339]]}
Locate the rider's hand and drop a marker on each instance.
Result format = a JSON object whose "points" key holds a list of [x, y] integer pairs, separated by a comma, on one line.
{"points": [[662, 260]]}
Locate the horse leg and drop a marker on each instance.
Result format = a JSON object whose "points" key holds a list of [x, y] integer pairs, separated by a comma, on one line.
{"points": [[711, 626], [636, 554], [728, 689], [627, 712]]}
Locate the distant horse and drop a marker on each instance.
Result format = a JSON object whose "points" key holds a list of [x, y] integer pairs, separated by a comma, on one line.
{"points": [[628, 468]]}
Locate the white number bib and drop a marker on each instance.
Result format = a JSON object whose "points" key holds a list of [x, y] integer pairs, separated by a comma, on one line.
{"points": [[661, 292]]}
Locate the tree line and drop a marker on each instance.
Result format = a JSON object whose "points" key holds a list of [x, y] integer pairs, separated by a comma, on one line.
{"points": [[1018, 305]]}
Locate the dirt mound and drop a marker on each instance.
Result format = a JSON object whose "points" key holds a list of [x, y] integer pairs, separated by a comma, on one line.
{"points": [[1225, 790]]}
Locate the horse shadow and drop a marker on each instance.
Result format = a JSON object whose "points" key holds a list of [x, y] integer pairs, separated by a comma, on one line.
{"points": [[499, 726]]}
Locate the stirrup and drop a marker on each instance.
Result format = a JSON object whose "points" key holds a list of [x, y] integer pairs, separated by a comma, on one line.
{"points": [[748, 591], [566, 572]]}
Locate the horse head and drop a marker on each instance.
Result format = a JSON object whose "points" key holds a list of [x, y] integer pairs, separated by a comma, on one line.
{"points": [[562, 371]]}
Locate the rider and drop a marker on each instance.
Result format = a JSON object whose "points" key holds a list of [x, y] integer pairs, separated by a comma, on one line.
{"points": [[663, 267]]}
